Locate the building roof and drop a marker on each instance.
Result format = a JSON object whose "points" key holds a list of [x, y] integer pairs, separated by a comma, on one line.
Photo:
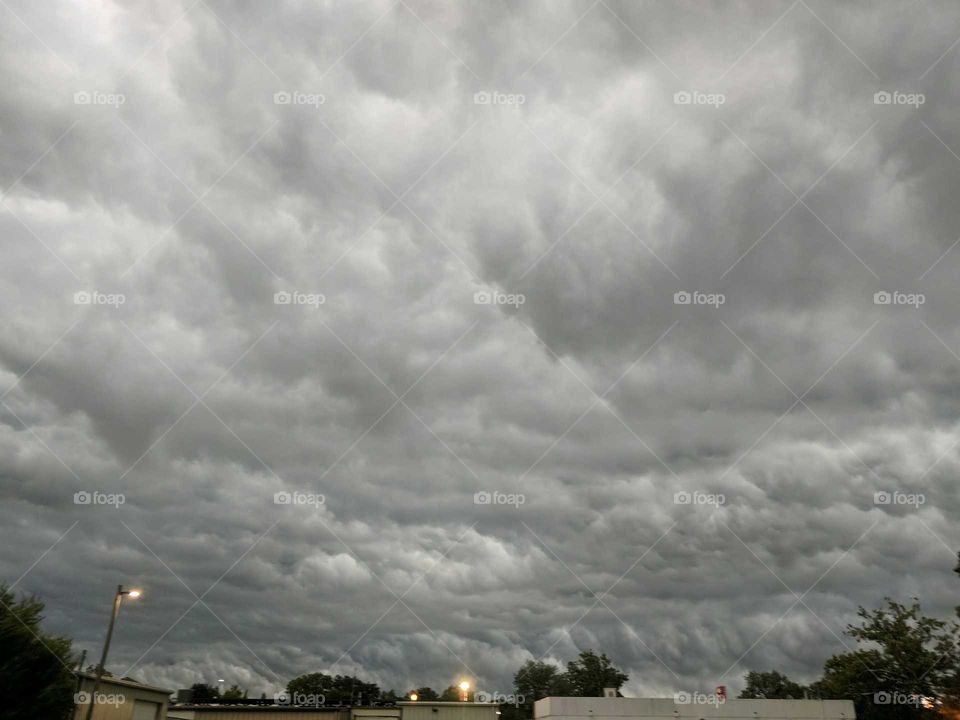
{"points": [[125, 681], [230, 707], [444, 702], [659, 708]]}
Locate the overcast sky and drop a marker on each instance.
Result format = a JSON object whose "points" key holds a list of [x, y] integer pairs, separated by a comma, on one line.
{"points": [[385, 256]]}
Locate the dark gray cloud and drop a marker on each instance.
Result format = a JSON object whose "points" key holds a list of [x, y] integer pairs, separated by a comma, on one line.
{"points": [[146, 153]]}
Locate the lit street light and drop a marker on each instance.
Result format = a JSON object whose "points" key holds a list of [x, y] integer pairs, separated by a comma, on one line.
{"points": [[414, 697], [117, 599], [464, 689]]}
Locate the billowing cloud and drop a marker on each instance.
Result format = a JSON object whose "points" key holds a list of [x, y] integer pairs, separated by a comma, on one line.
{"points": [[416, 339]]}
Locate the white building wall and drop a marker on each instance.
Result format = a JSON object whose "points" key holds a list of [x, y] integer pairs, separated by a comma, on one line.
{"points": [[582, 708]]}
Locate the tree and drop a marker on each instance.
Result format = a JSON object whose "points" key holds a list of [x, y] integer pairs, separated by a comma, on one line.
{"points": [[771, 685], [336, 690], [426, 693], [957, 571], [234, 692], [952, 693], [537, 680], [452, 694], [309, 684], [35, 675], [591, 673], [910, 662], [203, 693]]}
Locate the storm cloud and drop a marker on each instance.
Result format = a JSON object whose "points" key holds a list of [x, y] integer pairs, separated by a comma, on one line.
{"points": [[418, 339]]}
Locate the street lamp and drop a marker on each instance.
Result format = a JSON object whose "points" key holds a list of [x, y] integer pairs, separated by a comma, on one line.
{"points": [[464, 689], [117, 599], [414, 697]]}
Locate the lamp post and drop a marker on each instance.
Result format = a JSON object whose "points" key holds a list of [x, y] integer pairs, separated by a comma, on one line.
{"points": [[464, 690], [117, 599]]}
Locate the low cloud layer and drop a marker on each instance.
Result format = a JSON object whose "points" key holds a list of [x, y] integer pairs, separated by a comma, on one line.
{"points": [[416, 340]]}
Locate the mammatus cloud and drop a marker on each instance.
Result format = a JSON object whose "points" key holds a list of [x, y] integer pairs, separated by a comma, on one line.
{"points": [[669, 286]]}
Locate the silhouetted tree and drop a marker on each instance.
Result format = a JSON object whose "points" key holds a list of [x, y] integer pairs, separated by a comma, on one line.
{"points": [[203, 693], [452, 694], [537, 680], [591, 673], [911, 661], [337, 690], [234, 692], [771, 686], [35, 668]]}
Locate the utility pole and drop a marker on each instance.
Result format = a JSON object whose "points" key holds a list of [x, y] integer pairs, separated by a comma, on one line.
{"points": [[117, 599]]}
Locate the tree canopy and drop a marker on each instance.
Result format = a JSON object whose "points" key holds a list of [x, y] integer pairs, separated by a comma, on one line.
{"points": [[910, 661], [234, 692], [34, 665], [591, 673], [336, 689], [771, 685], [204, 693], [905, 667], [536, 680]]}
